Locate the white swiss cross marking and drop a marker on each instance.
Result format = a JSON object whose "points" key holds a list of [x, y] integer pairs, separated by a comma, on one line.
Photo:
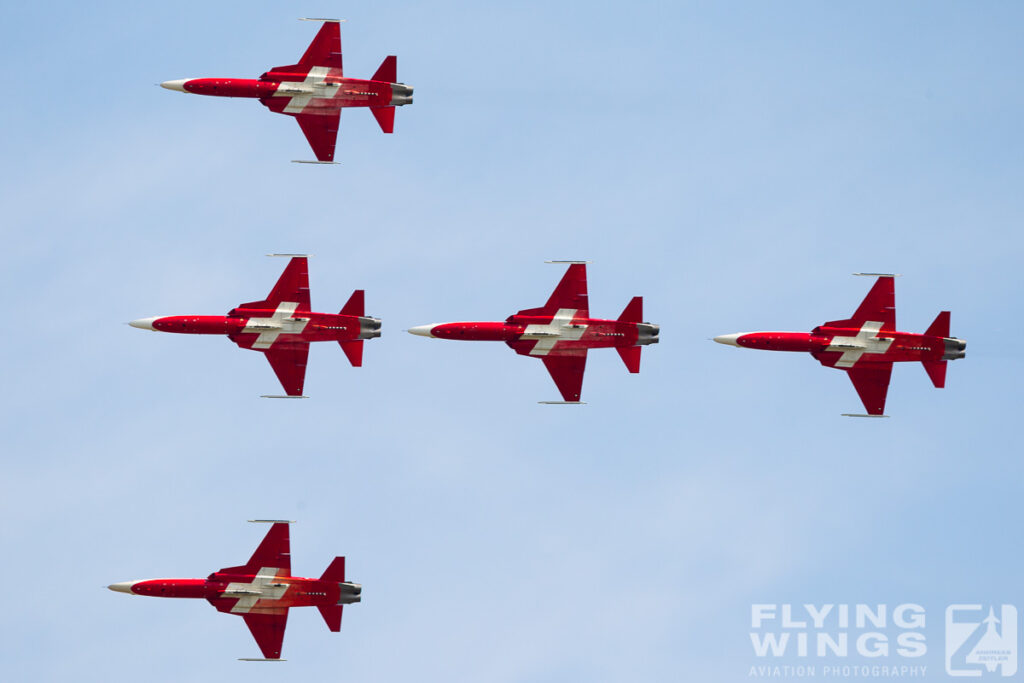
{"points": [[264, 586], [559, 329], [312, 87], [280, 323], [853, 348]]}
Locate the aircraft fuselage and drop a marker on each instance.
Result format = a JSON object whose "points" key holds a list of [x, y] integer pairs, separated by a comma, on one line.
{"points": [[563, 329], [254, 593], [302, 326], [867, 344], [319, 89]]}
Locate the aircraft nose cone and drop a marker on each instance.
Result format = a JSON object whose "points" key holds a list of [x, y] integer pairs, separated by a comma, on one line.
{"points": [[123, 587], [422, 330], [144, 323], [178, 85], [729, 339]]}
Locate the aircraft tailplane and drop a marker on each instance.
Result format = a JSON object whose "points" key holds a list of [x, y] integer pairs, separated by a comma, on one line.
{"points": [[936, 369], [355, 304], [634, 311], [385, 118], [354, 351], [939, 326], [335, 571], [630, 355], [387, 72], [331, 615]]}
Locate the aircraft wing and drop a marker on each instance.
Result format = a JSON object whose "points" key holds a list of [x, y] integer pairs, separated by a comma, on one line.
{"points": [[878, 306], [321, 131], [872, 384], [571, 293], [289, 362], [268, 630], [291, 287], [325, 50], [567, 371], [273, 552]]}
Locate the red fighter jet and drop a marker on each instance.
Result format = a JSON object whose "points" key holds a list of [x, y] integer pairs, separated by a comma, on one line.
{"points": [[282, 326], [561, 332], [314, 91], [262, 590], [867, 345]]}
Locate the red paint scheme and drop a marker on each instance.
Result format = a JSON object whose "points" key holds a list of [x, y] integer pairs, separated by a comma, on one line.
{"points": [[286, 348], [262, 590], [315, 91], [199, 324], [172, 588], [561, 342], [230, 87], [872, 350]]}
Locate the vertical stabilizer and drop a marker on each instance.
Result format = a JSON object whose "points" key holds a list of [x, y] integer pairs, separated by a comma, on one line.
{"points": [[936, 369]]}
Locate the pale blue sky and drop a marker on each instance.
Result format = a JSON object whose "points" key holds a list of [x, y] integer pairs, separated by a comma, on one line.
{"points": [[731, 162]]}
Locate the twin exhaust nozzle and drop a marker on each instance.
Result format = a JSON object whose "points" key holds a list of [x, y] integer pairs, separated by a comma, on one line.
{"points": [[954, 348], [647, 333], [401, 94]]}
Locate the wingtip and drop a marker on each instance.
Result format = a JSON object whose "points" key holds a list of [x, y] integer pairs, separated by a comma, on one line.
{"points": [[261, 659]]}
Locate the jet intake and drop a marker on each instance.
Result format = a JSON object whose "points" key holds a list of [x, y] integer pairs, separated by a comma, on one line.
{"points": [[401, 94], [646, 333], [954, 348]]}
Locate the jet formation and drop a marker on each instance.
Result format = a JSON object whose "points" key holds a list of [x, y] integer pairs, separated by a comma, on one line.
{"points": [[282, 326], [314, 91], [866, 345], [561, 332], [262, 590]]}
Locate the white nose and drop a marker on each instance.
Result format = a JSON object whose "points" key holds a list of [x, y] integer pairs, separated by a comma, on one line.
{"points": [[422, 330], [729, 339], [178, 85], [144, 323], [123, 587]]}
